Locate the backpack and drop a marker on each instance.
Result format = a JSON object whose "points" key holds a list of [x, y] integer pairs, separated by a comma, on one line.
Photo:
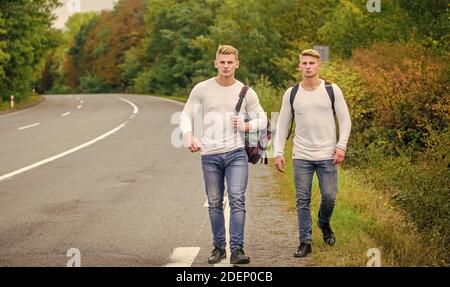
{"points": [[294, 90], [255, 143]]}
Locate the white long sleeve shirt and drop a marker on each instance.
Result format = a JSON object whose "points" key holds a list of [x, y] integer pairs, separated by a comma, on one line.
{"points": [[209, 110], [315, 128]]}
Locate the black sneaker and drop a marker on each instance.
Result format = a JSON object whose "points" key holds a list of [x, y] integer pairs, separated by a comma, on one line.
{"points": [[217, 255], [328, 235], [303, 250], [238, 256]]}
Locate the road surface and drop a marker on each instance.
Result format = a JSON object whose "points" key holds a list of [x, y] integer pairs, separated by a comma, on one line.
{"points": [[99, 173]]}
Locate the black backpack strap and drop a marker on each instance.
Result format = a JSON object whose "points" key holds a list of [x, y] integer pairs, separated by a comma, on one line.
{"points": [[241, 98], [330, 92], [291, 100]]}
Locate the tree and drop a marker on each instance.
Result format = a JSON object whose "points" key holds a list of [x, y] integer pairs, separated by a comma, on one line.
{"points": [[173, 55], [351, 26], [26, 38]]}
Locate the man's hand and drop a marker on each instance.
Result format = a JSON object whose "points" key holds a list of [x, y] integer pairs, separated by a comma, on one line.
{"points": [[338, 156], [191, 142], [279, 163], [239, 124]]}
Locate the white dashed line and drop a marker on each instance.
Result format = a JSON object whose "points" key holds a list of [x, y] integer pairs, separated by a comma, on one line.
{"points": [[226, 262], [79, 107], [136, 109], [29, 126], [182, 257], [65, 114], [77, 148], [81, 102]]}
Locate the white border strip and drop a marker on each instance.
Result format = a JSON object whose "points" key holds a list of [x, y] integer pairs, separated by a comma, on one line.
{"points": [[182, 257], [29, 126], [47, 160], [77, 148]]}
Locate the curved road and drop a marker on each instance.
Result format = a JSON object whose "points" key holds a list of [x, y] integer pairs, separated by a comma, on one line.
{"points": [[99, 173], [128, 198]]}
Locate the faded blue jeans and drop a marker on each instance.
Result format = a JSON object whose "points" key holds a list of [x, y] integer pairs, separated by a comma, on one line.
{"points": [[303, 175], [233, 167]]}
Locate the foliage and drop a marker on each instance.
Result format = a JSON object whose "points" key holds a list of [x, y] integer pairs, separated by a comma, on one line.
{"points": [[409, 89], [25, 39]]}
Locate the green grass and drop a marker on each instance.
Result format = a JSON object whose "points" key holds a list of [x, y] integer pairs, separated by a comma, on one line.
{"points": [[32, 100], [363, 218]]}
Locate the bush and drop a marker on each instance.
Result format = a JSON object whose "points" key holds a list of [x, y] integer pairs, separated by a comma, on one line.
{"points": [[92, 84], [410, 95], [269, 97], [419, 185]]}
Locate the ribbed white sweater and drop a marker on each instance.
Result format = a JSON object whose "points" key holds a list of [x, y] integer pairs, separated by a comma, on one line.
{"points": [[315, 131], [210, 108]]}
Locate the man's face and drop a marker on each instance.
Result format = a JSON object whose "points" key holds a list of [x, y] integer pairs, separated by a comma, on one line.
{"points": [[309, 66], [226, 65]]}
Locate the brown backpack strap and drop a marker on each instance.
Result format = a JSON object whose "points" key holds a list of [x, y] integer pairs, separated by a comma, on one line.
{"points": [[241, 98]]}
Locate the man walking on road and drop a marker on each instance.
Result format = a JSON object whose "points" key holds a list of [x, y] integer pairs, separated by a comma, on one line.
{"points": [[312, 104], [222, 148]]}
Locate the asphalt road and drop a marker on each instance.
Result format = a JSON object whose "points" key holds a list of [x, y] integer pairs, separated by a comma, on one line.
{"points": [[127, 199], [99, 173]]}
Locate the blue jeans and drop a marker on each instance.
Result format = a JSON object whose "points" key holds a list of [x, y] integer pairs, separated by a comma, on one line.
{"points": [[303, 175], [232, 166]]}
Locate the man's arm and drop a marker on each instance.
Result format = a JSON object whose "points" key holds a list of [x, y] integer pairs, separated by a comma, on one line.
{"points": [[345, 125], [190, 108], [284, 121]]}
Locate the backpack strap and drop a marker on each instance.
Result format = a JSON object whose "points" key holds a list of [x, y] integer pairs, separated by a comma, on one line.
{"points": [[291, 100], [241, 98], [330, 92]]}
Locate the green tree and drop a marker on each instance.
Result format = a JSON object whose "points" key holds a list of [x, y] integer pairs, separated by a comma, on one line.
{"points": [[174, 57], [73, 65], [26, 37], [352, 26]]}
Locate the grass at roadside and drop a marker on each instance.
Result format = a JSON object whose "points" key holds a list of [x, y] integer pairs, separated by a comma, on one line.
{"points": [[32, 100], [363, 218]]}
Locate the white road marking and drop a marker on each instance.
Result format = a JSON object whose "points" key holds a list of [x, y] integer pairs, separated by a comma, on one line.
{"points": [[79, 107], [136, 109], [226, 262], [65, 114], [78, 98], [81, 102], [29, 126], [77, 148], [47, 160], [182, 257]]}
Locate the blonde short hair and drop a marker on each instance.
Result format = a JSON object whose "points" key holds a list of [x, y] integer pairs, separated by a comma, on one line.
{"points": [[311, 53], [227, 50]]}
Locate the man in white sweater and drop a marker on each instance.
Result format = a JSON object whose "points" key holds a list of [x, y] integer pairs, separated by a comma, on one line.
{"points": [[315, 147], [210, 107]]}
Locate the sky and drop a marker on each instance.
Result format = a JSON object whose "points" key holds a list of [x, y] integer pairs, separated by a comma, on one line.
{"points": [[70, 7]]}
